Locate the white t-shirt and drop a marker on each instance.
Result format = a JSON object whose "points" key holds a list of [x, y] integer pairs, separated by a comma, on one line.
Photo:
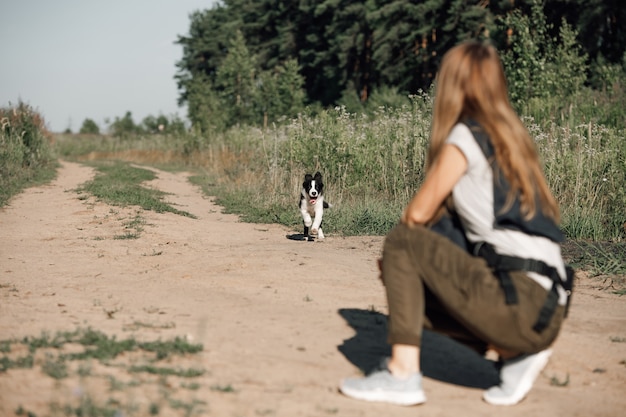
{"points": [[473, 202]]}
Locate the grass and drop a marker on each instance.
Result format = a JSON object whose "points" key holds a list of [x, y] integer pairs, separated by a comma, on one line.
{"points": [[28, 177], [603, 260], [125, 365], [97, 346], [120, 184], [166, 371], [223, 388]]}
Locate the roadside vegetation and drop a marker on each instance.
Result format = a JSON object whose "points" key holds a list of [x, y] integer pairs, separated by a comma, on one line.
{"points": [[26, 156]]}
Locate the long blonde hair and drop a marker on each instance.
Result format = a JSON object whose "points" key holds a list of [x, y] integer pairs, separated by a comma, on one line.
{"points": [[471, 84]]}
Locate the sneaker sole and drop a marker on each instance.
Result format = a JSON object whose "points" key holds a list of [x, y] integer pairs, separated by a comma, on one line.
{"points": [[525, 384], [406, 399]]}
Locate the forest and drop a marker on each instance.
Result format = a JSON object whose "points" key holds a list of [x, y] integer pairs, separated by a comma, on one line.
{"points": [[253, 62]]}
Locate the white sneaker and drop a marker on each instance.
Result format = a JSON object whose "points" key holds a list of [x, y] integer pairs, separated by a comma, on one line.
{"points": [[382, 386], [517, 377]]}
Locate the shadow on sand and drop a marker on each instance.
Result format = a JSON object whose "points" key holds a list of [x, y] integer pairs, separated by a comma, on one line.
{"points": [[300, 237], [441, 358]]}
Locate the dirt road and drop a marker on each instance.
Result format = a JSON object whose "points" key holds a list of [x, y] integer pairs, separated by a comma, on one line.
{"points": [[281, 321]]}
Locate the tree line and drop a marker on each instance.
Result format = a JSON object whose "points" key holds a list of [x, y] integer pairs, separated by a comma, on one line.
{"points": [[125, 126], [255, 61]]}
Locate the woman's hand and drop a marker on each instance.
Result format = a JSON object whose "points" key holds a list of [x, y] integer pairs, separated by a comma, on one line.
{"points": [[441, 178]]}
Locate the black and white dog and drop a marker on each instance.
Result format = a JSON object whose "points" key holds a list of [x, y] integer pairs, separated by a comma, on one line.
{"points": [[312, 203]]}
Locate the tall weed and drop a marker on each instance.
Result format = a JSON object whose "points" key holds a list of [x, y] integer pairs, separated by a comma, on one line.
{"points": [[586, 169], [25, 154], [368, 156]]}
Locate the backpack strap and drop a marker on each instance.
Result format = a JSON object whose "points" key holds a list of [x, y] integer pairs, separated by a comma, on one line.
{"points": [[503, 264]]}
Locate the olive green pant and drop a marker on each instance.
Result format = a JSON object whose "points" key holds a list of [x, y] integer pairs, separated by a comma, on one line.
{"points": [[432, 283]]}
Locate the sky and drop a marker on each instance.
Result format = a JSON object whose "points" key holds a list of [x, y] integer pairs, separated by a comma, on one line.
{"points": [[76, 59]]}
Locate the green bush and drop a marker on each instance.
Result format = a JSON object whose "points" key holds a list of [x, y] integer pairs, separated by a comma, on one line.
{"points": [[25, 154]]}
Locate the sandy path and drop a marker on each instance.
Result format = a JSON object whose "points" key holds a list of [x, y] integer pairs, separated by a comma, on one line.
{"points": [[269, 311]]}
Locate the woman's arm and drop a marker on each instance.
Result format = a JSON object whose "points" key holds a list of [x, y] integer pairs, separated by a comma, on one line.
{"points": [[440, 180]]}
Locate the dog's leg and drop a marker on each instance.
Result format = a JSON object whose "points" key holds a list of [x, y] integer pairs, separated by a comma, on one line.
{"points": [[306, 221], [317, 232], [317, 223], [306, 217]]}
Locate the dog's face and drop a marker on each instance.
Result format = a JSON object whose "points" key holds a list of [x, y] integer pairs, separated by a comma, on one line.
{"points": [[313, 187]]}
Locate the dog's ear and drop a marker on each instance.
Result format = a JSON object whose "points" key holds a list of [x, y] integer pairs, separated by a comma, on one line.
{"points": [[307, 178], [318, 176]]}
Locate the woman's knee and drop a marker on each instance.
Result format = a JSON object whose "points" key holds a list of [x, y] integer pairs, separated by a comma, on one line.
{"points": [[402, 236]]}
